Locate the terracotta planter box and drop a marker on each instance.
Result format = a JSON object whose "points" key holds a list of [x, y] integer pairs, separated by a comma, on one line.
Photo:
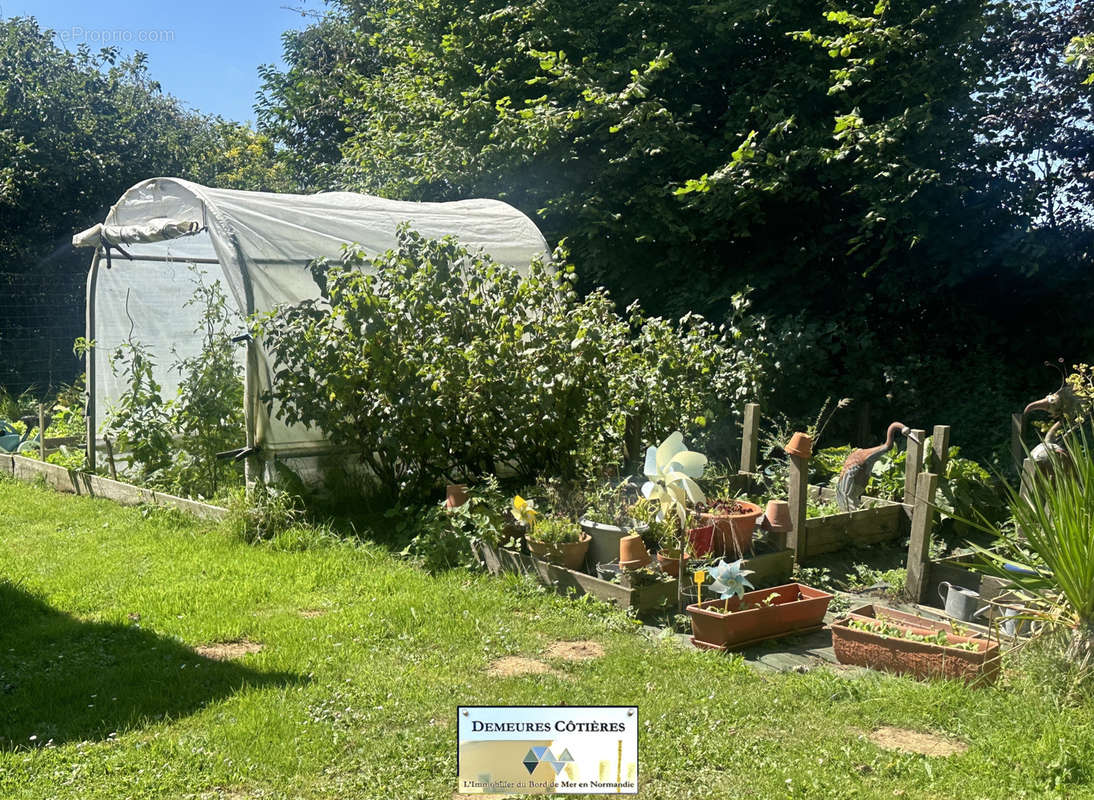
{"points": [[796, 609], [905, 657]]}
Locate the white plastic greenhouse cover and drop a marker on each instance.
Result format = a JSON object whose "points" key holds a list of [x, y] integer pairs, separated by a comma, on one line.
{"points": [[259, 245]]}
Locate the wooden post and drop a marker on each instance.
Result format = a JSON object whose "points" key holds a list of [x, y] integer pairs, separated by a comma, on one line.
{"points": [[940, 446], [913, 463], [1017, 444], [919, 547], [798, 496], [42, 431], [750, 438]]}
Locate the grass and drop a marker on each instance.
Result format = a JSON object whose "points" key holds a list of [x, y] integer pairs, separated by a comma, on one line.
{"points": [[359, 701]]}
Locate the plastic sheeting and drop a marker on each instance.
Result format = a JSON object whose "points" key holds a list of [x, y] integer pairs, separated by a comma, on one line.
{"points": [[259, 246]]}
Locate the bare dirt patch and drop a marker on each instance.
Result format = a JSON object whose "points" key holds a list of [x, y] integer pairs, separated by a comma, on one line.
{"points": [[575, 651], [312, 613], [928, 744], [515, 666], [226, 651]]}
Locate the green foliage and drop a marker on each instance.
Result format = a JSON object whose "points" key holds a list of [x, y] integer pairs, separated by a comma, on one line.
{"points": [[263, 514], [439, 538], [555, 530], [435, 365], [207, 415], [1080, 54], [307, 109], [866, 162], [1056, 542], [865, 576], [172, 443], [139, 423], [883, 628]]}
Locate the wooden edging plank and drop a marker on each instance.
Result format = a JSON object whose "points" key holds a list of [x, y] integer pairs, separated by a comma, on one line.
{"points": [[57, 477]]}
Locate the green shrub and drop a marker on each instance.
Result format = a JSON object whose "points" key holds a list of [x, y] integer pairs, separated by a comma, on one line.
{"points": [[436, 364]]}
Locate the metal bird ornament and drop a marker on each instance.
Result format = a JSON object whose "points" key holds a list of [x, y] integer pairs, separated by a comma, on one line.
{"points": [[856, 469], [1063, 407]]}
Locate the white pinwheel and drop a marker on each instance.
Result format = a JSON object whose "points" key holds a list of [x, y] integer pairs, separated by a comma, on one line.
{"points": [[729, 579], [671, 470]]}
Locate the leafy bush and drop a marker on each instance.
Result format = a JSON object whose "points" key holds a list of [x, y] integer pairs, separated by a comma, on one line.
{"points": [[436, 364], [440, 538]]}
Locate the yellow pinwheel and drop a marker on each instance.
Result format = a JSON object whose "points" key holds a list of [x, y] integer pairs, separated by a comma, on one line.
{"points": [[524, 512]]}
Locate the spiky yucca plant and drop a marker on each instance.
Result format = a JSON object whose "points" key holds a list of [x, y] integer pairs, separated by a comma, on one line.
{"points": [[1053, 540]]}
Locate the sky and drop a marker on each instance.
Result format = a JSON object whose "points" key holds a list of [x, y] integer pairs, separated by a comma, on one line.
{"points": [[205, 53]]}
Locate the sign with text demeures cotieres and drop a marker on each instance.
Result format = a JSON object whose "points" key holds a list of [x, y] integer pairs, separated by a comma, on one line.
{"points": [[548, 750]]}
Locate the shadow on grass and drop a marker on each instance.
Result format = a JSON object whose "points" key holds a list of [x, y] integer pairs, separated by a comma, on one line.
{"points": [[63, 679]]}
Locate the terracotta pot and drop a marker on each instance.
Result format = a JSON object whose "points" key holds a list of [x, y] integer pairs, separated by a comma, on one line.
{"points": [[605, 538], [569, 555], [800, 445], [777, 516], [456, 495], [632, 552], [906, 657], [733, 532], [701, 540], [670, 565], [796, 608]]}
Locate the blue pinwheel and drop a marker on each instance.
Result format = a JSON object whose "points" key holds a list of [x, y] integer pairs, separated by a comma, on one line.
{"points": [[729, 579]]}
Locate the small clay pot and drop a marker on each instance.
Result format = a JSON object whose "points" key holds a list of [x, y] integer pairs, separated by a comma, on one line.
{"points": [[632, 552], [670, 565], [456, 495], [777, 516], [800, 445]]}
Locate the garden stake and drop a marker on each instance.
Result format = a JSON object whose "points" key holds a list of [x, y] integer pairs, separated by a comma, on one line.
{"points": [[700, 576]]}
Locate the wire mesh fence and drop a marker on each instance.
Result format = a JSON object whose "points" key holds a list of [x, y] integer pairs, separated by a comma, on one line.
{"points": [[41, 315]]}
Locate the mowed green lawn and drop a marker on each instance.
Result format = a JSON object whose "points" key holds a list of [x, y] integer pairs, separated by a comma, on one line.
{"points": [[365, 659]]}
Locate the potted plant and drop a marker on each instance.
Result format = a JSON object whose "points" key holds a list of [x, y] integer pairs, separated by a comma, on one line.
{"points": [[734, 522], [661, 532], [735, 618], [884, 639], [607, 519], [559, 541]]}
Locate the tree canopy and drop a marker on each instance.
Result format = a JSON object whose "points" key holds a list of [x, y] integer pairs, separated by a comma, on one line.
{"points": [[874, 170]]}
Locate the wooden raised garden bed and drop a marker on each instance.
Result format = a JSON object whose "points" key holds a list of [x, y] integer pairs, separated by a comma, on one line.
{"points": [[877, 521], [908, 657], [769, 569], [497, 560]]}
